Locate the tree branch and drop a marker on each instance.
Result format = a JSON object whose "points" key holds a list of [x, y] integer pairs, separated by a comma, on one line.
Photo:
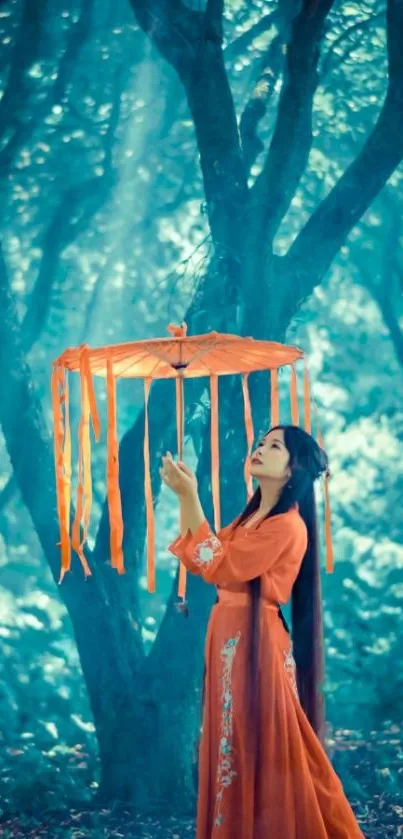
{"points": [[360, 26], [27, 50], [256, 108], [191, 43], [240, 45], [386, 292], [174, 29], [214, 19], [8, 492], [271, 67], [78, 207], [291, 143], [79, 34], [319, 241], [389, 317]]}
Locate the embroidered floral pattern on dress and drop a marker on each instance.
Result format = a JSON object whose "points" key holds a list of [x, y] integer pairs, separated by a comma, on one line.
{"points": [[206, 551], [291, 668], [225, 768]]}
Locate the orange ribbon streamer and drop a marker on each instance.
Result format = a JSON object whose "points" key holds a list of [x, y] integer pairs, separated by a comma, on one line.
{"points": [[86, 371], [67, 450], [84, 487], [294, 396], [275, 407], [113, 488], [215, 452], [58, 434], [307, 400], [249, 434], [148, 495]]}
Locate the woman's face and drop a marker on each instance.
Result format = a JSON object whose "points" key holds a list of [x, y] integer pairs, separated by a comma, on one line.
{"points": [[270, 458]]}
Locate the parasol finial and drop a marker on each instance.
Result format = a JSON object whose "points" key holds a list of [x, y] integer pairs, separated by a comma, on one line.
{"points": [[177, 331]]}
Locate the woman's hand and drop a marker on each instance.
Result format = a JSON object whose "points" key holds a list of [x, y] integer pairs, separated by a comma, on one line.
{"points": [[177, 476]]}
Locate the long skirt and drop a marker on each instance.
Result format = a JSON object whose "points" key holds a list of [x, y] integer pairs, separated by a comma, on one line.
{"points": [[288, 789]]}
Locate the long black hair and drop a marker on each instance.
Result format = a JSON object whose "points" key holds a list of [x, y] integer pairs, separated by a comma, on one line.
{"points": [[307, 461]]}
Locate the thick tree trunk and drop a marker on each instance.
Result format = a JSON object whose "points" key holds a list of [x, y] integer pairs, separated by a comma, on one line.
{"points": [[148, 751], [145, 710]]}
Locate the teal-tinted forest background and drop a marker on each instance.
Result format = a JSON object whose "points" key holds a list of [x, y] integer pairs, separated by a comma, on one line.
{"points": [[235, 165]]}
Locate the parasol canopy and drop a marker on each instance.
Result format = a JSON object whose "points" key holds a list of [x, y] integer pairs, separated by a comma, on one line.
{"points": [[178, 357]]}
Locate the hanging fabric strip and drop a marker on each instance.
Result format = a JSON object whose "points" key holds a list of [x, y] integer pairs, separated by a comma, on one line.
{"points": [[87, 482], [275, 407], [84, 456], [294, 396], [96, 425], [215, 452], [113, 488], [58, 434], [328, 523], [180, 432], [67, 450], [307, 399], [148, 495], [249, 434]]}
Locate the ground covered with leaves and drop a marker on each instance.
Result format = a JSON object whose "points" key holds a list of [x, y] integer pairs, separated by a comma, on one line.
{"points": [[382, 822], [372, 783]]}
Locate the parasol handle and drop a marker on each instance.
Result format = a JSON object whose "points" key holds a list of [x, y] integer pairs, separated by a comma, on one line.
{"points": [[180, 414], [180, 431]]}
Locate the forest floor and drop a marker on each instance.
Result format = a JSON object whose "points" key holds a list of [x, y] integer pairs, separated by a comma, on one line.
{"points": [[105, 824], [36, 800], [383, 821]]}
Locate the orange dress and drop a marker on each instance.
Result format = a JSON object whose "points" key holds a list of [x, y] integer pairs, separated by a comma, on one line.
{"points": [[293, 792]]}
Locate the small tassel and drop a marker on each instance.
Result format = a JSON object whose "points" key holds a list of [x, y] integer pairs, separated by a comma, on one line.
{"points": [[275, 407], [113, 488], [58, 434], [294, 396], [180, 420], [215, 453], [148, 495], [249, 434], [328, 523], [307, 400]]}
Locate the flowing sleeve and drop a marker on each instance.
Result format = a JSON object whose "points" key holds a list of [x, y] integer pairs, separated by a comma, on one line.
{"points": [[248, 555]]}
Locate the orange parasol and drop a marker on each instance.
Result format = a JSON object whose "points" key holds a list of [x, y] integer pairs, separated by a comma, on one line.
{"points": [[178, 357]]}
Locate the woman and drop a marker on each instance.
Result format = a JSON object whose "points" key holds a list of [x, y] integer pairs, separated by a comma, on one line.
{"points": [[263, 772]]}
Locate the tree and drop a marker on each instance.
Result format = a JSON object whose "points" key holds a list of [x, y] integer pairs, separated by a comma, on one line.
{"points": [[146, 748]]}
